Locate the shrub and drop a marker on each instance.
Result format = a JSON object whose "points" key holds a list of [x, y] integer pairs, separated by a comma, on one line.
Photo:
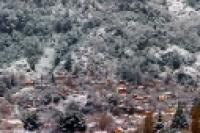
{"points": [[71, 121], [63, 26], [88, 109], [105, 121], [31, 121], [194, 3], [179, 121], [172, 59], [185, 79], [68, 64], [47, 99]]}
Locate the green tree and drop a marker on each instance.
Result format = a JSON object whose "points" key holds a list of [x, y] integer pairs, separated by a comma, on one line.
{"points": [[31, 121], [71, 121], [68, 63], [179, 120], [159, 124]]}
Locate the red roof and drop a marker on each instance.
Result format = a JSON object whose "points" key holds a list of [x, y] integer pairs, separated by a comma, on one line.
{"points": [[122, 82]]}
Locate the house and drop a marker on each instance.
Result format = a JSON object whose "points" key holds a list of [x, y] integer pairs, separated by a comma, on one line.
{"points": [[109, 82], [170, 110], [21, 65], [139, 110], [169, 94], [28, 83], [121, 88], [64, 79], [118, 130], [162, 98], [157, 83], [3, 72], [5, 108], [60, 79], [140, 87], [166, 95], [8, 124], [100, 131]]}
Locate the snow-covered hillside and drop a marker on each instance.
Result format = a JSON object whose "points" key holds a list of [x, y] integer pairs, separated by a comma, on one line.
{"points": [[180, 9]]}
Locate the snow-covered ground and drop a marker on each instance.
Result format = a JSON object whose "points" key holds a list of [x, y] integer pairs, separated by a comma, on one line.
{"points": [[197, 63], [180, 50], [180, 9], [45, 64]]}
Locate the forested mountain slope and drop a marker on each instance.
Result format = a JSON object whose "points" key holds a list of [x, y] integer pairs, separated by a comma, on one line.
{"points": [[118, 39]]}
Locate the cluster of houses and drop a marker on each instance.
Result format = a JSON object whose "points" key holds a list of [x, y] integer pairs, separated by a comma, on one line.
{"points": [[135, 102]]}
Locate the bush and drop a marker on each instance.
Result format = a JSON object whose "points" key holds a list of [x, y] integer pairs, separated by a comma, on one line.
{"points": [[113, 100], [172, 59], [88, 109], [73, 106], [63, 26], [3, 89], [130, 74], [185, 79], [179, 121], [91, 24], [47, 99], [71, 121], [105, 121], [68, 64], [31, 121], [194, 3]]}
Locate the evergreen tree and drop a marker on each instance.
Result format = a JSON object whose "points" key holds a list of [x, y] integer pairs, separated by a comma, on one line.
{"points": [[159, 125], [68, 64], [195, 112], [179, 121], [31, 121], [71, 121], [52, 78], [12, 80]]}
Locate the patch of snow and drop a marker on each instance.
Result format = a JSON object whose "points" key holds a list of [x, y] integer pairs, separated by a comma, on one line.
{"points": [[20, 65], [132, 129], [180, 50], [78, 98], [13, 121], [100, 132], [180, 9], [189, 70], [129, 52], [27, 89], [71, 12], [101, 31], [58, 9], [119, 121], [91, 125], [45, 64], [81, 100], [197, 63], [131, 23]]}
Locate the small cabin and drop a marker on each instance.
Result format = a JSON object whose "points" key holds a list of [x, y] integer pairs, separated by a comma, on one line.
{"points": [[28, 83], [60, 79], [9, 124], [139, 110], [171, 110], [162, 98], [121, 88], [118, 130], [169, 94]]}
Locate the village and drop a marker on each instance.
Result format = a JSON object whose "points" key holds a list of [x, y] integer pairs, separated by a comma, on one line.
{"points": [[108, 106]]}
